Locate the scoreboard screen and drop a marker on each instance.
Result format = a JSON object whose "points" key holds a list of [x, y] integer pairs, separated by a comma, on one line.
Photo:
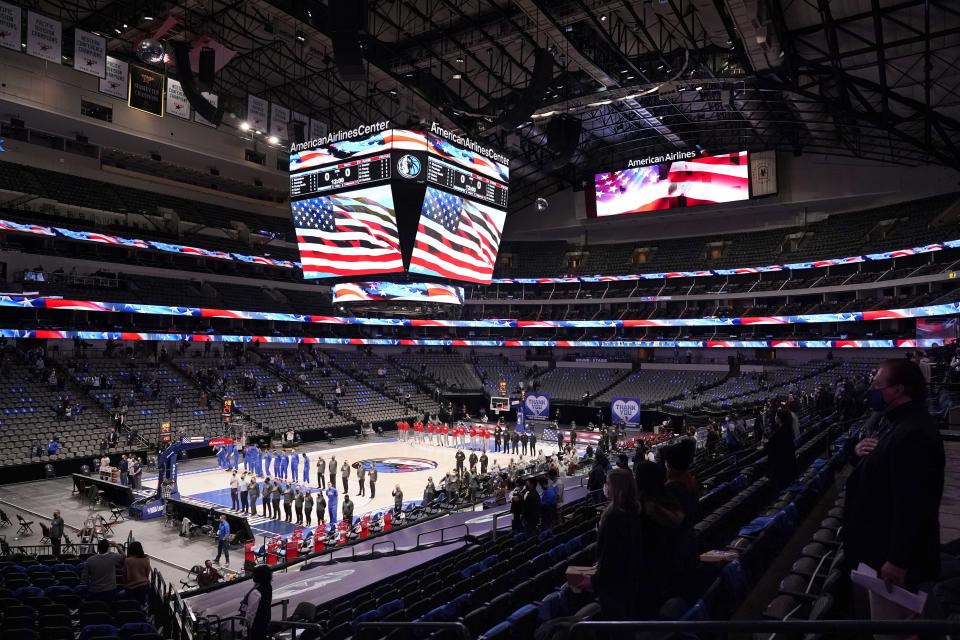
{"points": [[341, 176], [472, 185]]}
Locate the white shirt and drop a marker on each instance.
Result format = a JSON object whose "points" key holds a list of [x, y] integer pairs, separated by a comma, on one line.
{"points": [[234, 482]]}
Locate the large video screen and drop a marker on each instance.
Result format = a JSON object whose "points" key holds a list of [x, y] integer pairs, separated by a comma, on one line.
{"points": [[401, 292], [671, 185], [456, 238], [348, 234], [944, 330]]}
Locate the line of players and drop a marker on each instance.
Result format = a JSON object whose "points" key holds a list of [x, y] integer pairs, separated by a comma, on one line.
{"points": [[476, 437], [296, 497]]}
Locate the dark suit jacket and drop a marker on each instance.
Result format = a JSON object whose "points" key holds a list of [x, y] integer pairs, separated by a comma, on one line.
{"points": [[893, 497]]}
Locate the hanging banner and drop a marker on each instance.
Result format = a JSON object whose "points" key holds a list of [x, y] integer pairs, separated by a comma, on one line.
{"points": [[625, 411], [89, 53], [11, 21], [279, 117], [146, 90], [115, 82], [318, 129], [257, 113], [43, 37], [177, 103], [213, 99], [300, 117], [536, 406]]}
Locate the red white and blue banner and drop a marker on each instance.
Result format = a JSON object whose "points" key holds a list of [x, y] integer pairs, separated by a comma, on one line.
{"points": [[397, 292], [625, 411], [41, 302], [95, 236], [57, 334]]}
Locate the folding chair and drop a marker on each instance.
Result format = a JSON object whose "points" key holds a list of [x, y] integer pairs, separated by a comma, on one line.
{"points": [[45, 534], [25, 527], [4, 520], [117, 513]]}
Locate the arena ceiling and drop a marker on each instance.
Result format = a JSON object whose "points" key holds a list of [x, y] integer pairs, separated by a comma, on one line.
{"points": [[876, 79]]}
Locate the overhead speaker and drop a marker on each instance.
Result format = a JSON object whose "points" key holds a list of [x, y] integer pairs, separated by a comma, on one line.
{"points": [[528, 99], [296, 131], [563, 138], [207, 111], [208, 62], [346, 22]]}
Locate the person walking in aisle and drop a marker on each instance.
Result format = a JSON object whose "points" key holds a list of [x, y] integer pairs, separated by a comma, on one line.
{"points": [[373, 480], [361, 474], [345, 476], [234, 492], [223, 541], [333, 471]]}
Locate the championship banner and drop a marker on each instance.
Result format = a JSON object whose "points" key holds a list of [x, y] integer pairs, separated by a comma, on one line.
{"points": [[257, 113], [11, 21], [536, 406], [214, 100], [90, 53], [165, 432], [115, 82], [625, 411], [177, 103], [146, 90], [43, 37], [279, 117]]}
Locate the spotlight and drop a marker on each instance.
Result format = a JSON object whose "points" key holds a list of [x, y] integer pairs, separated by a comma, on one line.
{"points": [[148, 18], [258, 132], [603, 18], [699, 87], [460, 59], [542, 204], [393, 92], [273, 139], [300, 37], [244, 126], [457, 76]]}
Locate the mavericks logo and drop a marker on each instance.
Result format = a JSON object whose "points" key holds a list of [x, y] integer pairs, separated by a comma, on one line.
{"points": [[397, 465], [302, 586], [408, 166]]}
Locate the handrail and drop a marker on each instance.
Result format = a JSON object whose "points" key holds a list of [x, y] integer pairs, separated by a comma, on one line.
{"points": [[393, 545], [841, 628], [456, 627], [442, 530], [496, 517]]}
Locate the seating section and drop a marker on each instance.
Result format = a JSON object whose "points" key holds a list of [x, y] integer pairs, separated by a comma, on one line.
{"points": [[655, 386], [44, 598], [32, 412], [449, 371], [570, 384], [493, 369], [395, 382]]}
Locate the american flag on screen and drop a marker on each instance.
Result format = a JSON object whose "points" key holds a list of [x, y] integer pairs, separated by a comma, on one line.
{"points": [[456, 238], [348, 235], [682, 183]]}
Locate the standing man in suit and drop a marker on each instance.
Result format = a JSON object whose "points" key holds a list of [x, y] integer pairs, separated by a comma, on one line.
{"points": [[275, 498], [373, 480], [347, 510], [361, 475], [891, 521], [253, 492], [308, 506], [288, 503], [397, 500], [333, 471], [515, 441], [497, 434], [460, 457], [298, 505], [321, 509], [321, 470], [524, 439]]}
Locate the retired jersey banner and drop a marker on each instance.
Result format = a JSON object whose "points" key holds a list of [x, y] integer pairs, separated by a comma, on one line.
{"points": [[279, 117], [536, 406], [11, 21], [115, 82], [90, 53], [43, 37], [257, 113], [177, 103], [625, 411], [318, 129], [146, 90]]}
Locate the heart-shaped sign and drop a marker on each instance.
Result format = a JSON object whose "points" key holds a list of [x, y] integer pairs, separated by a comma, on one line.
{"points": [[626, 410], [537, 404]]}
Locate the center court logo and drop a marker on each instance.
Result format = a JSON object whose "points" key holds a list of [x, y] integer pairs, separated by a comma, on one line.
{"points": [[397, 465], [318, 582]]}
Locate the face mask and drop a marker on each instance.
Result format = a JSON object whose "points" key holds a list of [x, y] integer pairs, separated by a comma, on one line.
{"points": [[875, 399]]}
